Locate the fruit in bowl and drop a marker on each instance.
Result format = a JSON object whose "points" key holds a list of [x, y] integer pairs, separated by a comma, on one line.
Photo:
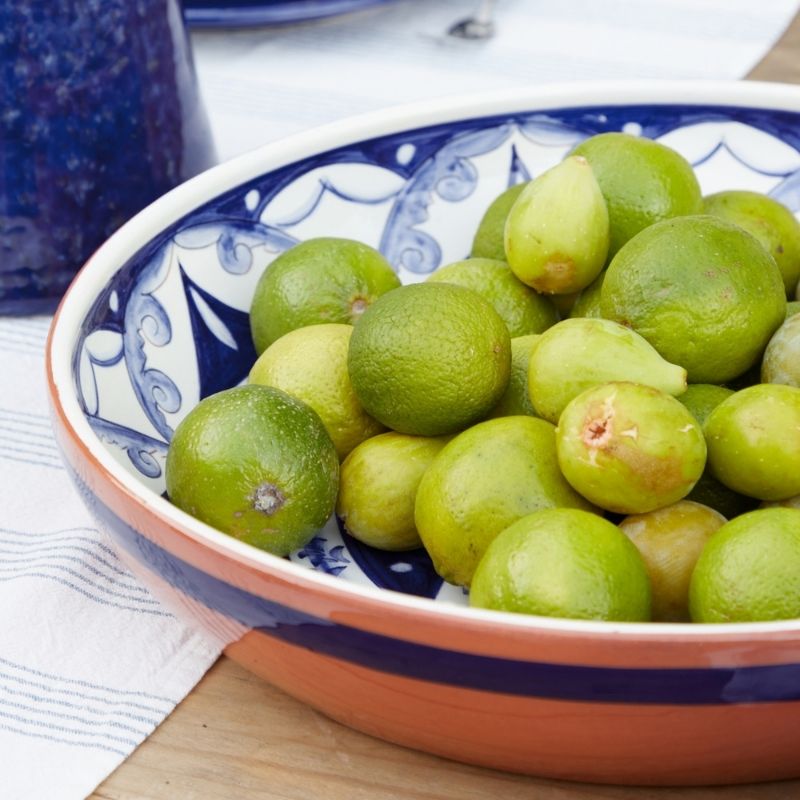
{"points": [[159, 320]]}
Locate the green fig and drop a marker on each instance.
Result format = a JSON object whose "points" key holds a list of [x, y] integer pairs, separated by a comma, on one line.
{"points": [[670, 541], [629, 448], [754, 441], [488, 241], [556, 234], [792, 308], [769, 221], [576, 354], [781, 362]]}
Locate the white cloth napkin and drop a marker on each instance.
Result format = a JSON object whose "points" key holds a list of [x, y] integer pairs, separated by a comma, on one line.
{"points": [[90, 663]]}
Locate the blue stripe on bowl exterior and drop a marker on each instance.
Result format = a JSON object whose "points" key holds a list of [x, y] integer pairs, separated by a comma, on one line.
{"points": [[567, 682], [171, 326]]}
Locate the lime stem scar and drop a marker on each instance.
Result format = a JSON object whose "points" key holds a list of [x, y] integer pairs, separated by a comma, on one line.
{"points": [[268, 498]]}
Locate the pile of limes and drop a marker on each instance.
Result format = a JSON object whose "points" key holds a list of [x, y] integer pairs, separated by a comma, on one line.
{"points": [[566, 420]]}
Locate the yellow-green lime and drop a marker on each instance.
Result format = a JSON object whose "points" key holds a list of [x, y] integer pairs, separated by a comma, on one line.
{"points": [[702, 291], [701, 399], [754, 441], [587, 303], [522, 309], [769, 221], [670, 541], [643, 182], [256, 464], [320, 280], [378, 488], [749, 571], [483, 480], [430, 358], [563, 563], [515, 399], [488, 241], [311, 365]]}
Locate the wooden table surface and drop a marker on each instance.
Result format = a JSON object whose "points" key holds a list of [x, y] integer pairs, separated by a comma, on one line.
{"points": [[234, 736]]}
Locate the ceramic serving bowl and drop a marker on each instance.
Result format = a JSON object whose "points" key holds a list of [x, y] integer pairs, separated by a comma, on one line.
{"points": [[157, 319]]}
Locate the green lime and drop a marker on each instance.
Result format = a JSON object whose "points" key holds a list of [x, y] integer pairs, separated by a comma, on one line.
{"points": [[643, 182], [702, 291], [588, 301], [430, 358], [488, 241], [311, 365], [670, 541], [256, 464], [317, 281], [754, 440], [750, 570], [378, 487], [522, 309], [483, 480], [563, 563], [769, 221], [701, 399], [515, 399]]}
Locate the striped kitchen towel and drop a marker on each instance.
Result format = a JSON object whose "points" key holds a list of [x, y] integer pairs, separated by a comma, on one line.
{"points": [[90, 662]]}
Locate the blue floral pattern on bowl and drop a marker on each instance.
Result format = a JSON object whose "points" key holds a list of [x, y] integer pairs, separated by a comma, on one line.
{"points": [[417, 196]]}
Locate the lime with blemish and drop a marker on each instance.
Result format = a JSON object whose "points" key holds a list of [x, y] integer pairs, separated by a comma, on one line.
{"points": [[256, 464], [317, 281]]}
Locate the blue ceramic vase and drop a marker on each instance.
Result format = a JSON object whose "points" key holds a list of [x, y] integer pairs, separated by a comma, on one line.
{"points": [[99, 115]]}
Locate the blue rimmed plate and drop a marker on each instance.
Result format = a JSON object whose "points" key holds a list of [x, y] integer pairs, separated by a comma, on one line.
{"points": [[245, 13]]}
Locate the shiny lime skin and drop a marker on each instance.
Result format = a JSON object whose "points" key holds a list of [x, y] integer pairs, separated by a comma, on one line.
{"points": [[754, 441], [563, 563], [488, 241], [256, 464], [483, 480], [749, 571], [702, 291], [320, 280], [429, 358], [378, 487], [701, 399], [643, 182], [769, 221]]}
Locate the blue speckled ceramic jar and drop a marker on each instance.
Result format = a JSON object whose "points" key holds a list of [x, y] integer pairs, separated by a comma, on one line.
{"points": [[99, 115]]}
